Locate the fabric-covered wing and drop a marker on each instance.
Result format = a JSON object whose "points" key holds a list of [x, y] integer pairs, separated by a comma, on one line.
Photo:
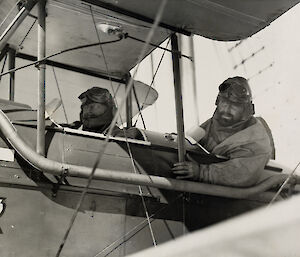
{"points": [[69, 23], [215, 19]]}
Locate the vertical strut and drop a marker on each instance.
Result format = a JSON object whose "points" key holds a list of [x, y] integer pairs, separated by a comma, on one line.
{"points": [[178, 98], [41, 77], [193, 65], [11, 65]]}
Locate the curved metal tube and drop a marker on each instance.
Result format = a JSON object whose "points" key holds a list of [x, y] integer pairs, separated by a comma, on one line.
{"points": [[56, 168]]}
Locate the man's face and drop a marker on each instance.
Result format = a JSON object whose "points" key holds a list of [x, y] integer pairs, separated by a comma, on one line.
{"points": [[228, 112], [91, 114]]}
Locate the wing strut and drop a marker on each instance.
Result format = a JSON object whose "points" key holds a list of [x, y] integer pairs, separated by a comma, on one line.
{"points": [[40, 146], [193, 66], [11, 65], [129, 105], [178, 97]]}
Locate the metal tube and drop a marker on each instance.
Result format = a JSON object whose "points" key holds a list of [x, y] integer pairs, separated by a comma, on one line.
{"points": [[40, 147], [11, 65], [192, 54], [178, 99], [5, 36], [56, 168]]}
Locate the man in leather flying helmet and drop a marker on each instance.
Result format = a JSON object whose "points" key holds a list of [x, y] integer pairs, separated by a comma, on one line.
{"points": [[232, 132], [97, 110]]}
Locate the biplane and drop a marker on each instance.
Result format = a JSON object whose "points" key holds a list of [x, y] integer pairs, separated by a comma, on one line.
{"points": [[67, 192]]}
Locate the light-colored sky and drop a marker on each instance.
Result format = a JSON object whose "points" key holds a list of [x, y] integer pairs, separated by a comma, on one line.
{"points": [[276, 89], [275, 81]]}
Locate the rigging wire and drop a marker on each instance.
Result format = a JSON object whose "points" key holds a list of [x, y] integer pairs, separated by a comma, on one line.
{"points": [[283, 184], [138, 106], [60, 95], [143, 200], [59, 53], [127, 144], [152, 82], [31, 27], [128, 90], [137, 228], [4, 62], [154, 86], [102, 52], [158, 46], [82, 196]]}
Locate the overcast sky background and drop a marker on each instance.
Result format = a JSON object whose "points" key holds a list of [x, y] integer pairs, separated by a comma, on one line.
{"points": [[274, 79]]}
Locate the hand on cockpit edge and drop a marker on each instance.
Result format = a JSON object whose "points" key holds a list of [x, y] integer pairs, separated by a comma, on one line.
{"points": [[187, 170], [73, 125]]}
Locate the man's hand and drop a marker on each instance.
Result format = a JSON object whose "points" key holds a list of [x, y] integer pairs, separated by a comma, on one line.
{"points": [[187, 170], [73, 125]]}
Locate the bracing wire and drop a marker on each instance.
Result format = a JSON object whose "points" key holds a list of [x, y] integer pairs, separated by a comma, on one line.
{"points": [[128, 90], [127, 144], [133, 231], [283, 185], [163, 48], [153, 78], [154, 86], [138, 106], [60, 95], [142, 197], [31, 27], [58, 53], [102, 52], [4, 62]]}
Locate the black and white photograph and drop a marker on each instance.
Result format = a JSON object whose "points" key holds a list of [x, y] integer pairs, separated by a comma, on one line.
{"points": [[149, 128]]}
